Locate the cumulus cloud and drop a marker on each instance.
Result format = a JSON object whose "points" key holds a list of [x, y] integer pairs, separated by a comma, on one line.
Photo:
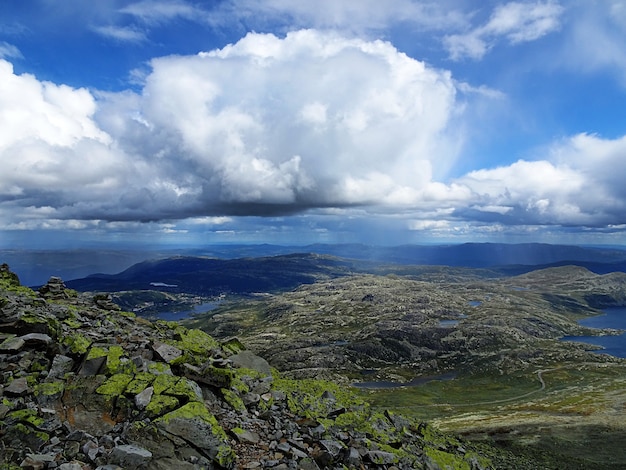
{"points": [[312, 123], [515, 22], [263, 126], [579, 184]]}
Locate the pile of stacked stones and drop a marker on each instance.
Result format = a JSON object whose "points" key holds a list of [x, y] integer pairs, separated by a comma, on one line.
{"points": [[85, 386]]}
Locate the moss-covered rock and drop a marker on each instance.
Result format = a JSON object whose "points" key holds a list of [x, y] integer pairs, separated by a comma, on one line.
{"points": [[233, 400], [115, 385]]}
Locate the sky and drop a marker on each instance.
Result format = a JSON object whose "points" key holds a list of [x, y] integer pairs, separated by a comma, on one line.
{"points": [[188, 122]]}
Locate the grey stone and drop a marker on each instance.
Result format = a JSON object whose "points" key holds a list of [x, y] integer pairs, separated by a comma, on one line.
{"points": [[92, 366], [249, 360], [61, 365], [246, 436], [37, 338], [143, 398], [18, 388], [12, 345], [130, 456], [333, 447], [308, 464], [70, 466], [166, 352], [37, 461], [381, 458], [196, 432]]}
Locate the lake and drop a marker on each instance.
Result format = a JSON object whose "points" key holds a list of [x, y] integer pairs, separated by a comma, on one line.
{"points": [[614, 317], [184, 314]]}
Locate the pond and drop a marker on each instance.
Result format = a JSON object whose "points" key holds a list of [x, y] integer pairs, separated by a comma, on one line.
{"points": [[615, 345], [184, 314]]}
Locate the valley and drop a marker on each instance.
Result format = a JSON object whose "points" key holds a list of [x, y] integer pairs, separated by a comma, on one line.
{"points": [[510, 381], [476, 352]]}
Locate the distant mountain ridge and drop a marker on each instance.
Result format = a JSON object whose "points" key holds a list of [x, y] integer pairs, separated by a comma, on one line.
{"points": [[210, 274]]}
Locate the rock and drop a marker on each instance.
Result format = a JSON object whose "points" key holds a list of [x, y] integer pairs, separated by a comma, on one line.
{"points": [[166, 352], [54, 289], [18, 388], [92, 366], [248, 360], [36, 339], [61, 365], [243, 435], [12, 345], [70, 466], [142, 399], [381, 458], [130, 456], [37, 461]]}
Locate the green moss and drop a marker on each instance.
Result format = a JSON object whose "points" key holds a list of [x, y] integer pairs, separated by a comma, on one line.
{"points": [[49, 388], [233, 400], [26, 416], [114, 385], [139, 383], [26, 431], [233, 346], [220, 377], [447, 461], [304, 397], [184, 389], [127, 314], [163, 382], [96, 352], [196, 410], [77, 343], [51, 324], [115, 364], [195, 344], [225, 456], [158, 368], [161, 404], [72, 323], [237, 431]]}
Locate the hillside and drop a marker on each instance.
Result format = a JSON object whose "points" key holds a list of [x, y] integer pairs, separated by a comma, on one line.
{"points": [[210, 276], [479, 356], [85, 385]]}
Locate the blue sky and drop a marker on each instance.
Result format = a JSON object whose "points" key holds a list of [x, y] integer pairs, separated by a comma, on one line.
{"points": [[189, 122]]}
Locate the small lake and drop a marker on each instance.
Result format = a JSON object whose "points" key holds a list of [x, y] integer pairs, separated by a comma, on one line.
{"points": [[615, 345], [184, 314]]}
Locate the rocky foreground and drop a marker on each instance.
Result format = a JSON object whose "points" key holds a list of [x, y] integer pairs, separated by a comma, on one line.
{"points": [[84, 385]]}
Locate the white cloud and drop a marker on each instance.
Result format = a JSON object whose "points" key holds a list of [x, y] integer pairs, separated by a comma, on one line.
{"points": [[9, 51], [515, 22], [580, 183], [348, 15], [121, 33], [594, 40], [155, 11], [315, 121], [266, 125]]}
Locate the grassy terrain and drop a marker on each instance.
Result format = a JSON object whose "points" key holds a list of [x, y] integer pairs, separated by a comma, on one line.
{"points": [[517, 385]]}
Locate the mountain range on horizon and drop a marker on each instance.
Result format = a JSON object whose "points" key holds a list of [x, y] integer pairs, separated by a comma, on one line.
{"points": [[250, 268]]}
